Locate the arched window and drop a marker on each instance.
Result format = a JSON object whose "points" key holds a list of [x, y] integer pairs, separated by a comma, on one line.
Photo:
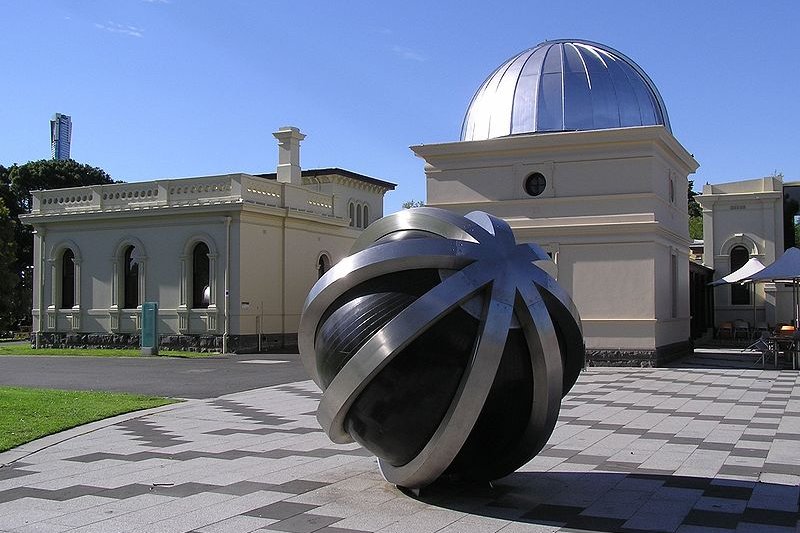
{"points": [[323, 265], [366, 216], [740, 294], [358, 217], [352, 214], [201, 279], [67, 279], [130, 279]]}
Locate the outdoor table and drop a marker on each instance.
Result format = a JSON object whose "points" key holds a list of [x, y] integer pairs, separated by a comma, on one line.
{"points": [[782, 343]]}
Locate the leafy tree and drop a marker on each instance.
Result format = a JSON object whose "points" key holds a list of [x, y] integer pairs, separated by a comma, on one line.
{"points": [[9, 280], [413, 203], [695, 214], [16, 184], [694, 207]]}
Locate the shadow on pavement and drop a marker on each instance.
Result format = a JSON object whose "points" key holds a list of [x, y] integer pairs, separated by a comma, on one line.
{"points": [[625, 502]]}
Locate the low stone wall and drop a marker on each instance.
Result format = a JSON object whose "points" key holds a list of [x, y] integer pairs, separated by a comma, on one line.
{"points": [[189, 343], [642, 358]]}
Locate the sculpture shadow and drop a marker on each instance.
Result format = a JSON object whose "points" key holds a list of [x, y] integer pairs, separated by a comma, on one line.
{"points": [[624, 502]]}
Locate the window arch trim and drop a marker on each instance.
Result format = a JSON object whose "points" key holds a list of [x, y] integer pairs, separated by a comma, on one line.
{"points": [[324, 263], [743, 239], [187, 271], [118, 261], [359, 212], [55, 259]]}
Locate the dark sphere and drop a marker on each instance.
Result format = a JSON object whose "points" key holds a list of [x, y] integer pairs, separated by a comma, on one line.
{"points": [[428, 350]]}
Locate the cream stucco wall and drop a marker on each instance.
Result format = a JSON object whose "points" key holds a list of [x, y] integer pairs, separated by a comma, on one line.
{"points": [[613, 214], [745, 213], [265, 240]]}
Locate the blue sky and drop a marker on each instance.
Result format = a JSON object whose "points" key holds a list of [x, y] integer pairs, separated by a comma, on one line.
{"points": [[175, 88]]}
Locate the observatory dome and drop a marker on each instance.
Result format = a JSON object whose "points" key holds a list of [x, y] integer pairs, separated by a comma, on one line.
{"points": [[563, 85]]}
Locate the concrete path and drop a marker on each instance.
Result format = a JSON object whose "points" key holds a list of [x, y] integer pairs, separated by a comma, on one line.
{"points": [[680, 449], [161, 376]]}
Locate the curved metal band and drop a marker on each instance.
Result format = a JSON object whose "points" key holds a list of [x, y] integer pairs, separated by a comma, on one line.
{"points": [[547, 370], [447, 225], [389, 341], [469, 399], [372, 262]]}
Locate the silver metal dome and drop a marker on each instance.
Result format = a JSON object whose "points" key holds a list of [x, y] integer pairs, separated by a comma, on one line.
{"points": [[563, 85]]}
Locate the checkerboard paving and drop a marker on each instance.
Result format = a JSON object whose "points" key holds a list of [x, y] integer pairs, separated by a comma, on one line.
{"points": [[634, 450]]}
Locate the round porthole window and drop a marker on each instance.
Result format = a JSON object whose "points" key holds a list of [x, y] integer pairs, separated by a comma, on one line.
{"points": [[535, 184]]}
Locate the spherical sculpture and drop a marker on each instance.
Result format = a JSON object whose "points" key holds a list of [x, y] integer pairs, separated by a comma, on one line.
{"points": [[441, 347]]}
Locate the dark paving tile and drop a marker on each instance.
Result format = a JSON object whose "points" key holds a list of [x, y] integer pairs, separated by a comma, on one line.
{"points": [[60, 495], [617, 466], [585, 459], [729, 492], [126, 491], [770, 517], [300, 486], [735, 421], [240, 488], [756, 438], [585, 523], [717, 446], [687, 482], [736, 470], [304, 523], [300, 392], [749, 452], [553, 514], [149, 433], [250, 413], [333, 529], [227, 455], [779, 468], [655, 435], [631, 431], [686, 440], [262, 431], [712, 519], [762, 425], [558, 452], [788, 436], [11, 472], [184, 489], [612, 427], [280, 510]]}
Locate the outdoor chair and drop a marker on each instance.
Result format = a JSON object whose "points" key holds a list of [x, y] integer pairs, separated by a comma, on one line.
{"points": [[763, 346], [794, 352], [741, 327], [725, 329], [761, 327]]}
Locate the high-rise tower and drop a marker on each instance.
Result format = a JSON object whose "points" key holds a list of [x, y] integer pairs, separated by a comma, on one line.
{"points": [[60, 136]]}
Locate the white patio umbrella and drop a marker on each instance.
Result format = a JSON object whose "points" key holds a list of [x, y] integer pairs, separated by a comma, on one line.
{"points": [[748, 269], [745, 273], [785, 269]]}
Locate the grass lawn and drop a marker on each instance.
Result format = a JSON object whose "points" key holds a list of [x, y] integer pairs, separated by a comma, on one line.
{"points": [[27, 414], [25, 349]]}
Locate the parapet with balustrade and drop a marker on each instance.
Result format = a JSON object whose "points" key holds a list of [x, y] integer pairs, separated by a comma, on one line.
{"points": [[208, 190]]}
